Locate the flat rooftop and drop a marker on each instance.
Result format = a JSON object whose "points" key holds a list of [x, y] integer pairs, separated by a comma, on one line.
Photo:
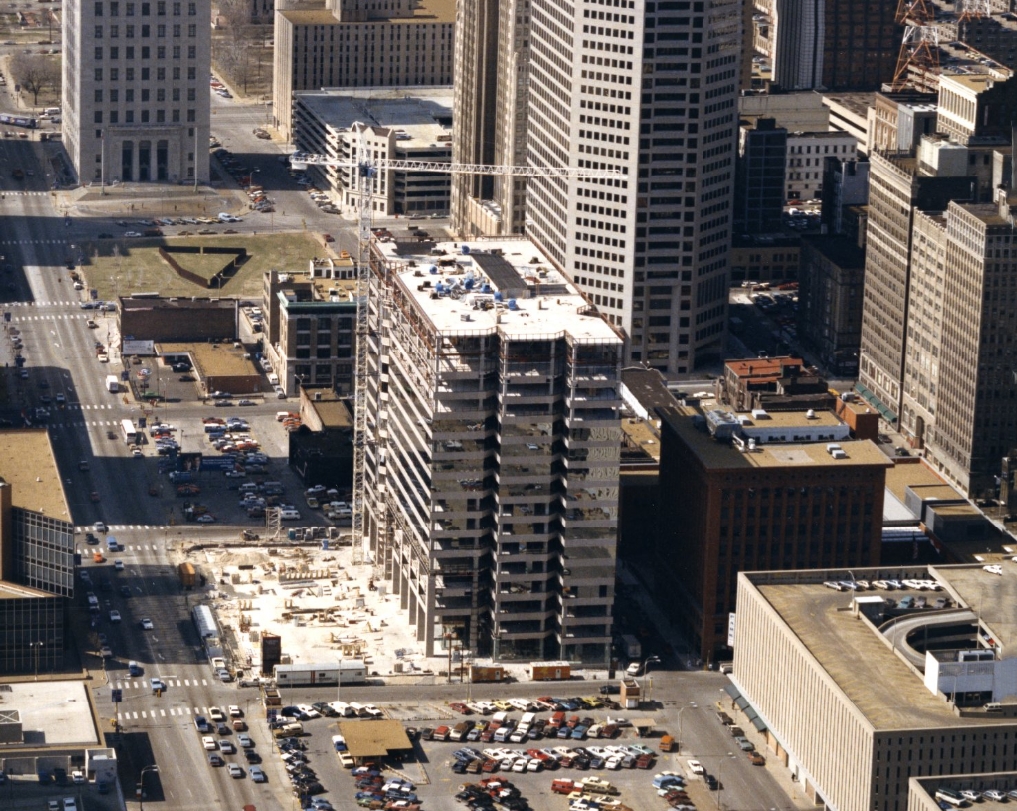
{"points": [[15, 591], [366, 739], [214, 360], [857, 658], [53, 713], [717, 455], [992, 596], [546, 303], [183, 303], [329, 407], [914, 473], [426, 11], [762, 367], [27, 463], [421, 116]]}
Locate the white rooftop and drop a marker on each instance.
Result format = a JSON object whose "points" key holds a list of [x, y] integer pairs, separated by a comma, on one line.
{"points": [[506, 285], [419, 115]]}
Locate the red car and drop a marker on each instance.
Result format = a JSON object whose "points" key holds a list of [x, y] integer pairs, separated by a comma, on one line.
{"points": [[329, 238], [459, 706]]}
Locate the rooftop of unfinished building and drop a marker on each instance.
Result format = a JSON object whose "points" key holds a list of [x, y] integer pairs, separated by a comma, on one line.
{"points": [[28, 465], [494, 285]]}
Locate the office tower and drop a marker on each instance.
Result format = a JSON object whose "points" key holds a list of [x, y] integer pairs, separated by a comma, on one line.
{"points": [[649, 91], [827, 44], [492, 58], [135, 90], [831, 284], [896, 191], [762, 154], [965, 161], [493, 451], [975, 423], [475, 88], [786, 489], [359, 43]]}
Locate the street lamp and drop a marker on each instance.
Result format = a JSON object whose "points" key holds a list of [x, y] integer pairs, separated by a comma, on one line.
{"points": [[35, 646], [649, 660], [693, 705], [720, 775], [141, 786]]}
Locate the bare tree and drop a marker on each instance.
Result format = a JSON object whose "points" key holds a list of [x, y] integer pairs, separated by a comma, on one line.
{"points": [[35, 73], [231, 49]]}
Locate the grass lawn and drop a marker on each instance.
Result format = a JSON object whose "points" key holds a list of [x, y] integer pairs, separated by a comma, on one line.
{"points": [[124, 266]]}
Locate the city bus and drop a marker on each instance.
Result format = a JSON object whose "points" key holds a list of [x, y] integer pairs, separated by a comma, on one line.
{"points": [[129, 431]]}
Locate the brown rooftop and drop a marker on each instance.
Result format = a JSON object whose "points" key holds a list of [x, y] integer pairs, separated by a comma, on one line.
{"points": [[762, 367], [374, 739], [214, 360], [28, 465]]}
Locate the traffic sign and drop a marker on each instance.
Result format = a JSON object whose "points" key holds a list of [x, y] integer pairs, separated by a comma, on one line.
{"points": [[118, 695]]}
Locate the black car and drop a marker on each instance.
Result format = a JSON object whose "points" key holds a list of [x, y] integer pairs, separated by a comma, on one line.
{"points": [[90, 539], [252, 756], [711, 781], [125, 591], [105, 236], [610, 689]]}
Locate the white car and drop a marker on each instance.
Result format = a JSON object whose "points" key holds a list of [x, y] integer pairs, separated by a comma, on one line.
{"points": [[147, 624], [114, 616], [208, 742], [78, 776], [118, 565], [696, 767], [634, 668], [234, 711]]}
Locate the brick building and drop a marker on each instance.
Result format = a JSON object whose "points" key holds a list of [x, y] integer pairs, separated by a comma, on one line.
{"points": [[747, 496]]}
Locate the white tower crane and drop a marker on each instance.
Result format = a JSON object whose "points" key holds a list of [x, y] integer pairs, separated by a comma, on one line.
{"points": [[367, 168]]}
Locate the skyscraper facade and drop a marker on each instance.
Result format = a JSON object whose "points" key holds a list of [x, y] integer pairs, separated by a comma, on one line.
{"points": [[492, 59], [135, 90], [649, 90]]}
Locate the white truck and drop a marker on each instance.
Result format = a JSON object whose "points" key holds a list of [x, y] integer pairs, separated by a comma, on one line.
{"points": [[112, 383]]}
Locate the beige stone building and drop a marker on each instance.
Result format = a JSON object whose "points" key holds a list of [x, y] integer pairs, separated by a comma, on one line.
{"points": [[135, 90], [850, 699], [355, 43]]}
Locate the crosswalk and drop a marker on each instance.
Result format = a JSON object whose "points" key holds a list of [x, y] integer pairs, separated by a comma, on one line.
{"points": [[34, 241], [128, 547], [114, 528], [60, 425], [23, 319], [144, 684], [52, 303], [26, 193]]}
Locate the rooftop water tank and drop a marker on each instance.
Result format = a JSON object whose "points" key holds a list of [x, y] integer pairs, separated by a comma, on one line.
{"points": [[433, 269], [466, 250], [498, 296], [486, 288], [512, 304]]}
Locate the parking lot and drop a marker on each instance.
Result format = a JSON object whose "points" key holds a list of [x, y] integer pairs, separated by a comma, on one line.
{"points": [[243, 442], [720, 775]]}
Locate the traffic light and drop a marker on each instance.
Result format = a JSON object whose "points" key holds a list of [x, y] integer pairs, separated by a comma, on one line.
{"points": [[118, 695]]}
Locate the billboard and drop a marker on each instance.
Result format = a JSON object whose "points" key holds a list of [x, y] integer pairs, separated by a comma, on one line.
{"points": [[217, 463], [138, 347]]}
